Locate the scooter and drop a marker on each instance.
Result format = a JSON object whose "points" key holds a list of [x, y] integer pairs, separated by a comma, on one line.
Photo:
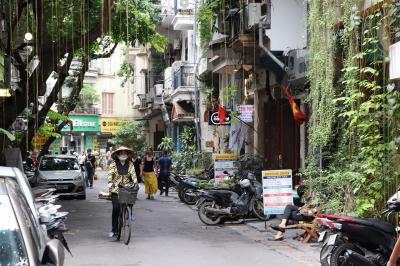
{"points": [[357, 241], [50, 217], [218, 206]]}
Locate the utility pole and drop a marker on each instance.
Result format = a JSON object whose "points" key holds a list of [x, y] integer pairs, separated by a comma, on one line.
{"points": [[196, 88]]}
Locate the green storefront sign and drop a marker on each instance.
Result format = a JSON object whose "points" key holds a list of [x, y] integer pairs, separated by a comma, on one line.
{"points": [[83, 123]]}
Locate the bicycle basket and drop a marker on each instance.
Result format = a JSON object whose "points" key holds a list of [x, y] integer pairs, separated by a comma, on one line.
{"points": [[128, 195]]}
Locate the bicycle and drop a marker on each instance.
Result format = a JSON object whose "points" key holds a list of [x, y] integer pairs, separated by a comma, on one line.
{"points": [[127, 197]]}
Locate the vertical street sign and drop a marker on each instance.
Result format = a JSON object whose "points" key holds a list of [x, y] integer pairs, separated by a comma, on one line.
{"points": [[277, 190]]}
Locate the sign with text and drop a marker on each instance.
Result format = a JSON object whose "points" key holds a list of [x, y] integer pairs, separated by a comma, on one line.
{"points": [[224, 163], [111, 125], [83, 123], [213, 118], [246, 113], [277, 190]]}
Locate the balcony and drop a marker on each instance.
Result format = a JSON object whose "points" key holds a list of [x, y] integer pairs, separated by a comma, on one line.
{"points": [[184, 19], [184, 79], [86, 110]]}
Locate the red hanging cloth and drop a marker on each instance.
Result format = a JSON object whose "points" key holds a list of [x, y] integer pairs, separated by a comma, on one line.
{"points": [[298, 115]]}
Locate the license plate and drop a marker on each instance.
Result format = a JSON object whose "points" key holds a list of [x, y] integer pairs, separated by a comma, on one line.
{"points": [[321, 237], [62, 187], [332, 239]]}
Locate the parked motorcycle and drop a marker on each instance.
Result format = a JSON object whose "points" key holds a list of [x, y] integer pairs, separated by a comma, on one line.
{"points": [[50, 217], [30, 172], [218, 206], [357, 241]]}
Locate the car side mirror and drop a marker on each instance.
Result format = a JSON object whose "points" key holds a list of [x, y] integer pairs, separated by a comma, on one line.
{"points": [[54, 253]]}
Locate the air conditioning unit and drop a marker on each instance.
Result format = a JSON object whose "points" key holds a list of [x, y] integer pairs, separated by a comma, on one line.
{"points": [[159, 89], [297, 65], [256, 13]]}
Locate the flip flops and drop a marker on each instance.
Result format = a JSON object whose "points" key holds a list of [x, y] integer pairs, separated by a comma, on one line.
{"points": [[278, 228], [275, 239]]}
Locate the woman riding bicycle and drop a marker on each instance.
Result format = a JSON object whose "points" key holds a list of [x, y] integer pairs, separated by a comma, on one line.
{"points": [[122, 173]]}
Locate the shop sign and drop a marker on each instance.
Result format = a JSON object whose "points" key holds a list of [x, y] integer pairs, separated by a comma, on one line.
{"points": [[83, 123], [277, 190], [213, 118], [111, 125], [246, 113], [38, 142], [224, 163]]}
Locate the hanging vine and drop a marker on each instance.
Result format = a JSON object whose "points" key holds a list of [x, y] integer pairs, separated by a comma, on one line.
{"points": [[355, 116]]}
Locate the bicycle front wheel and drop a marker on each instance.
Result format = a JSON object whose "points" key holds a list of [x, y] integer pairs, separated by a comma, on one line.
{"points": [[125, 225]]}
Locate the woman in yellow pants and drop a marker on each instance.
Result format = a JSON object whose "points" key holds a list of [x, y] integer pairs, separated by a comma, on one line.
{"points": [[149, 175]]}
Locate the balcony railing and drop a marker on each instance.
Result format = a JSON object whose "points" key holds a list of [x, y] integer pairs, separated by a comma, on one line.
{"points": [[184, 76], [88, 110]]}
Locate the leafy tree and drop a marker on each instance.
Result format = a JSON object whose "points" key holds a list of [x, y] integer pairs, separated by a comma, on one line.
{"points": [[64, 30], [131, 135], [87, 97], [167, 144]]}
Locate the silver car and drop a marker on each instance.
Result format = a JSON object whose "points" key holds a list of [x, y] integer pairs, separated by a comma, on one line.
{"points": [[63, 172], [22, 242]]}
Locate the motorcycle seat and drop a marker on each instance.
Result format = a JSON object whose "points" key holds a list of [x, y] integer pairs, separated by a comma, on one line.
{"points": [[381, 225]]}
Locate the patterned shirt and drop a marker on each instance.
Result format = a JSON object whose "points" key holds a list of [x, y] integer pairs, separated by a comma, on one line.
{"points": [[116, 178]]}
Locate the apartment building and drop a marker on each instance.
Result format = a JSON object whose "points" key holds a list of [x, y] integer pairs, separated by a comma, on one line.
{"points": [[255, 46], [95, 125]]}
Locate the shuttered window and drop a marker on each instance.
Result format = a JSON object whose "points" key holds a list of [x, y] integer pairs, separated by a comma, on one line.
{"points": [[107, 103]]}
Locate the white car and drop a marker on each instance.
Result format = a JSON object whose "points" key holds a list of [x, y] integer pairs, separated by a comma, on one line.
{"points": [[64, 173]]}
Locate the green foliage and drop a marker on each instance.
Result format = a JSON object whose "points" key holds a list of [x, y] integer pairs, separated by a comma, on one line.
{"points": [[166, 144], [49, 127], [131, 135], [8, 134], [355, 120], [87, 97], [126, 71], [206, 17], [186, 158]]}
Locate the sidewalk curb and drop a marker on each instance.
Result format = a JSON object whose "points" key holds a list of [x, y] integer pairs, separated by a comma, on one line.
{"points": [[305, 256]]}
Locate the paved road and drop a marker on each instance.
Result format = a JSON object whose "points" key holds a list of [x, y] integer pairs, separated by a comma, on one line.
{"points": [[166, 232]]}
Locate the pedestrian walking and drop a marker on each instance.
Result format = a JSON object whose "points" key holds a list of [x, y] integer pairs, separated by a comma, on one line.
{"points": [[137, 162], [81, 161], [122, 172], [149, 175], [90, 165], [108, 155], [164, 168]]}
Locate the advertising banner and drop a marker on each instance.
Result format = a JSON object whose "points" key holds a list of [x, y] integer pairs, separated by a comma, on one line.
{"points": [[83, 123], [111, 125], [222, 163], [246, 113], [277, 190]]}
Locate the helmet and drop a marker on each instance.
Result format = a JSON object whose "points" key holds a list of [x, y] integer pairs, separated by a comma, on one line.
{"points": [[244, 183]]}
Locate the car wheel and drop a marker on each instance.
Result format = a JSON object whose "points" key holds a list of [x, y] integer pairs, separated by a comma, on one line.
{"points": [[81, 197]]}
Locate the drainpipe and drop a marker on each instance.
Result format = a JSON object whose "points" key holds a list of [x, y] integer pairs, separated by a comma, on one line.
{"points": [[270, 54]]}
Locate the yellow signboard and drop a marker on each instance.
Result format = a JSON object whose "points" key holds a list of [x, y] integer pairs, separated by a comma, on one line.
{"points": [[38, 142], [111, 125]]}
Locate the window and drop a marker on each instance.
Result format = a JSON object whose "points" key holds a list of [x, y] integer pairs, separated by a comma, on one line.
{"points": [[107, 103], [54, 164], [12, 248]]}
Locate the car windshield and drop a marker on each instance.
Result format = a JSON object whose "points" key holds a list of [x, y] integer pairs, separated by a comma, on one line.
{"points": [[53, 163], [12, 247]]}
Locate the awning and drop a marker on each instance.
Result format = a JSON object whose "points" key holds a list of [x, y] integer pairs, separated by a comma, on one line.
{"points": [[183, 112]]}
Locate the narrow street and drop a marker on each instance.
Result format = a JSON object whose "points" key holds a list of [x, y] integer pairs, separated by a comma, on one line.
{"points": [[166, 232]]}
